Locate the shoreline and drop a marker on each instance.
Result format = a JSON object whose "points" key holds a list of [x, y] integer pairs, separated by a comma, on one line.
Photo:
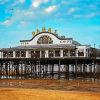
{"points": [[47, 84]]}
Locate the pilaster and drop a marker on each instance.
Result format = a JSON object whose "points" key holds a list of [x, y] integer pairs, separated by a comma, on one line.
{"points": [[46, 53], [61, 53]]}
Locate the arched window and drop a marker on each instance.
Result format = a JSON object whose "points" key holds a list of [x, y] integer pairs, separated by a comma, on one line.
{"points": [[45, 40]]}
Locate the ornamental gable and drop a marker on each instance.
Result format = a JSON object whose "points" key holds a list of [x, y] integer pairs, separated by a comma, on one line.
{"points": [[46, 37]]}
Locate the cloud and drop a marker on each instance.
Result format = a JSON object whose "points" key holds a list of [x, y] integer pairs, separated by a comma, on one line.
{"points": [[90, 15], [23, 23], [6, 22], [21, 17], [21, 1], [37, 3], [65, 2], [51, 9], [53, 1], [71, 10]]}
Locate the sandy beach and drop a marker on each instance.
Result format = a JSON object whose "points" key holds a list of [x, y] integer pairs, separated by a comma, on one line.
{"points": [[39, 89], [40, 94]]}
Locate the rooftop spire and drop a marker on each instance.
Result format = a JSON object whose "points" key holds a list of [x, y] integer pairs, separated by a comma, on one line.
{"points": [[55, 32], [38, 31], [49, 30], [33, 33], [43, 29]]}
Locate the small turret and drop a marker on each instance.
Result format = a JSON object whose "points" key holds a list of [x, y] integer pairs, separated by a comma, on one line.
{"points": [[43, 29], [55, 32], [38, 31], [33, 33], [49, 30]]}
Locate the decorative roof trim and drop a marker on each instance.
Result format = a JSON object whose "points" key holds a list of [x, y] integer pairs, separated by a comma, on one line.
{"points": [[49, 33], [38, 47]]}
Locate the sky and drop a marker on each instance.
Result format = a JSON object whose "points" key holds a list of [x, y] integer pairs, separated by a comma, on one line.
{"points": [[77, 19]]}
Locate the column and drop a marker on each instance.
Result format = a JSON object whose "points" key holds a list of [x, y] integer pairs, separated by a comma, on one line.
{"points": [[14, 54], [0, 54], [61, 53], [27, 54], [46, 53], [53, 53], [84, 52], [76, 53], [40, 54], [68, 53]]}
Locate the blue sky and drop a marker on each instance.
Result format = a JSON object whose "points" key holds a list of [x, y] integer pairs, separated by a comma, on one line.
{"points": [[79, 19]]}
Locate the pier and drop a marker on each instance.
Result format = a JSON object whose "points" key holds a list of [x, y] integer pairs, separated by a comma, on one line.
{"points": [[49, 56], [50, 68]]}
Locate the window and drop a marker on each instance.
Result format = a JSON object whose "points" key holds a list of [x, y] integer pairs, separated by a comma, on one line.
{"points": [[72, 52], [81, 52], [10, 54], [65, 53], [51, 53], [45, 40], [23, 54], [17, 53], [5, 54], [57, 53]]}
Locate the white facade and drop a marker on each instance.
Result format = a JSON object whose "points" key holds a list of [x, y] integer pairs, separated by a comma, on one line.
{"points": [[54, 38], [50, 46], [84, 49]]}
